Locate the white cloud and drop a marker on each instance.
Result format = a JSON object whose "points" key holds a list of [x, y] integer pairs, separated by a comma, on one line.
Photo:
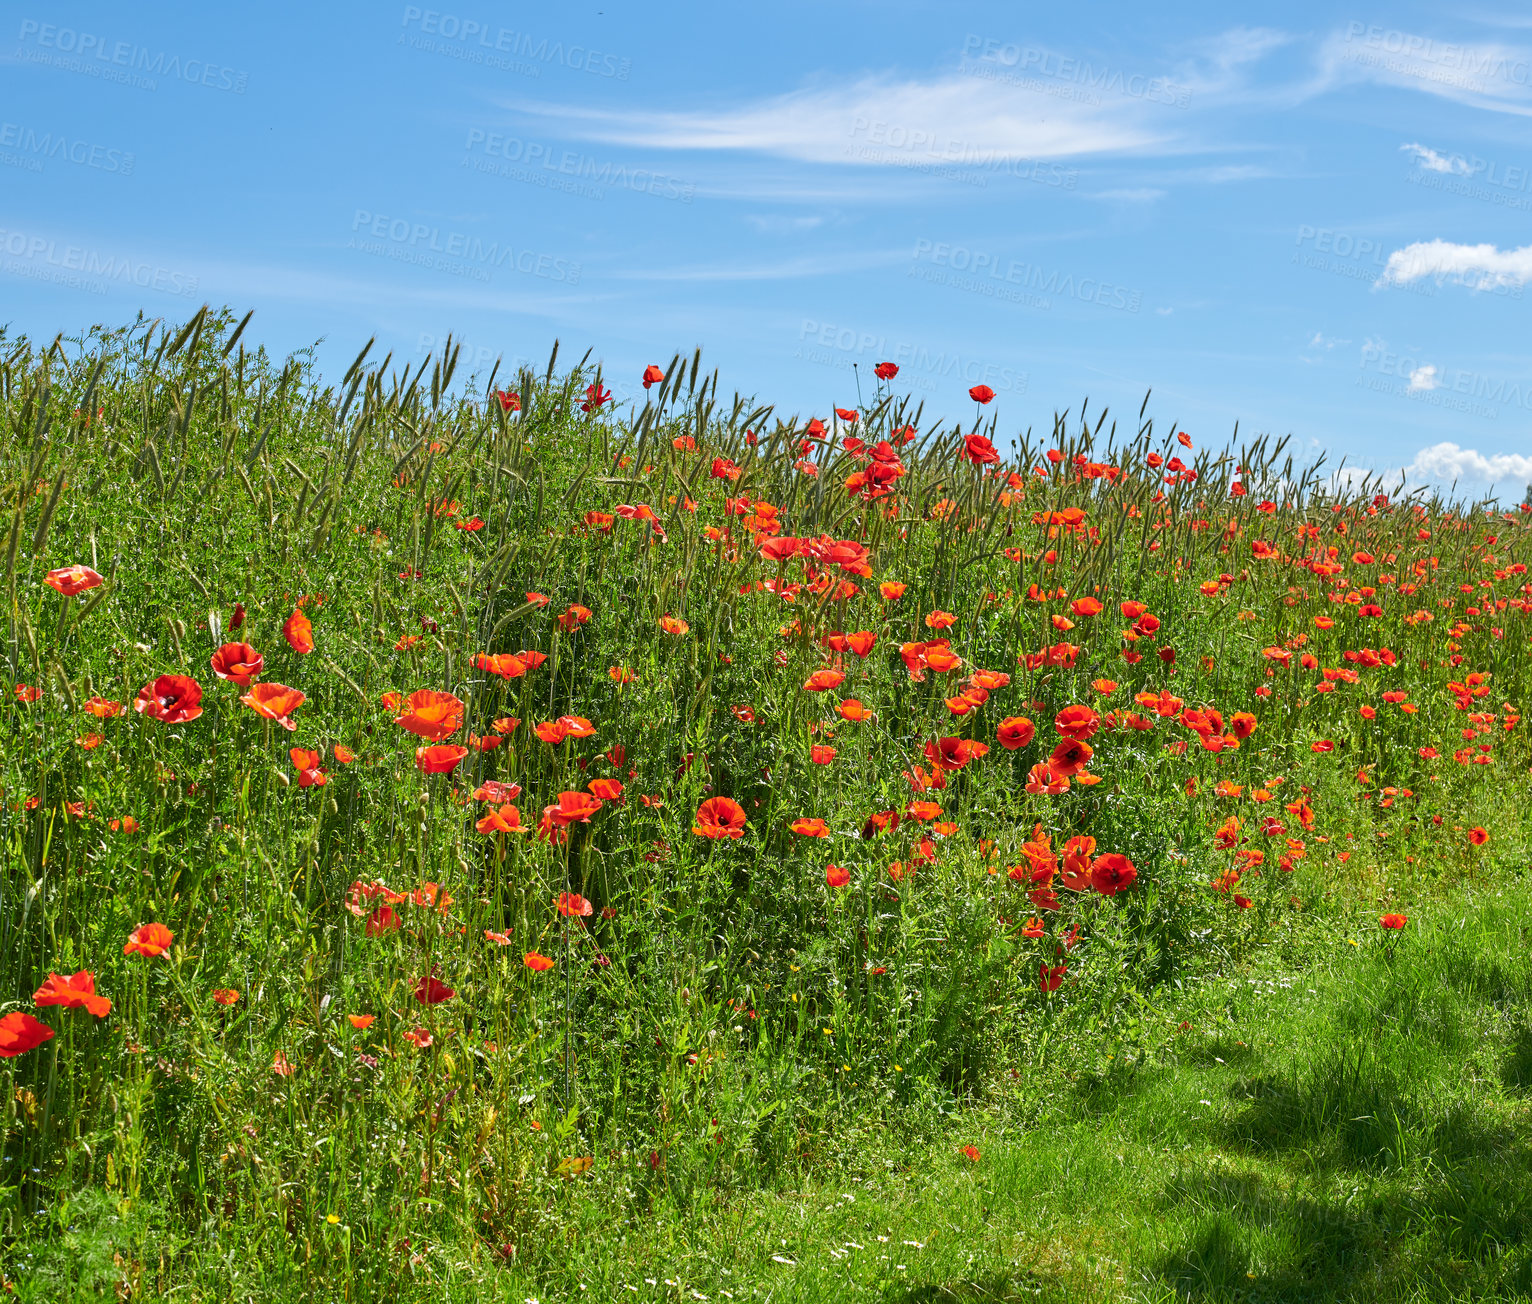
{"points": [[1492, 76], [956, 120], [1431, 161], [1424, 379], [1445, 463], [1481, 266], [1323, 341]]}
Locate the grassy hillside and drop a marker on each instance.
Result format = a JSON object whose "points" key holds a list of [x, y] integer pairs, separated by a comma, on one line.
{"points": [[520, 839]]}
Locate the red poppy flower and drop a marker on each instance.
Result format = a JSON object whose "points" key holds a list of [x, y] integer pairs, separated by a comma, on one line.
{"points": [[70, 580], [979, 450], [298, 630], [1048, 980], [951, 754], [970, 1153], [149, 940], [885, 370], [836, 876], [76, 992], [1112, 873], [440, 758], [382, 920], [431, 715], [847, 415], [535, 962], [510, 400], [225, 995], [822, 680], [239, 663], [720, 817], [606, 789], [1393, 921], [810, 828], [275, 702], [981, 393], [572, 808], [1478, 836], [652, 375], [419, 1038], [430, 991], [20, 1033], [505, 664], [1069, 758], [1077, 723], [172, 699]]}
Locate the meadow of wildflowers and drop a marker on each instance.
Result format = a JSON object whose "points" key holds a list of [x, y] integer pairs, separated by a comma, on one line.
{"points": [[425, 805]]}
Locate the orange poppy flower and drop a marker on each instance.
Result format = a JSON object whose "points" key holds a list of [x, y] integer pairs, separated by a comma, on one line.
{"points": [[504, 664], [440, 758], [149, 940], [419, 1038], [674, 625], [225, 995], [431, 714], [837, 876], [535, 962], [891, 590], [822, 680], [172, 699], [343, 754], [573, 906], [810, 828], [507, 819], [1015, 732], [298, 630], [361, 1022], [238, 663], [20, 1033], [275, 702], [70, 580], [851, 709], [77, 992], [605, 789], [720, 817], [101, 708], [1042, 781]]}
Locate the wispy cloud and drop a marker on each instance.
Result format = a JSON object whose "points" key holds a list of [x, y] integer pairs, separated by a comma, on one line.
{"points": [[1431, 161], [1488, 75], [1481, 266]]}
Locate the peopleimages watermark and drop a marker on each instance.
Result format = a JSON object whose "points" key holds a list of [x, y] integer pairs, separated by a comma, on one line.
{"points": [[566, 170], [1013, 280], [1455, 389], [476, 41], [1354, 257], [42, 257], [1469, 67], [827, 344], [479, 357], [1472, 177], [458, 253], [122, 61], [27, 147], [1033, 68], [922, 150]]}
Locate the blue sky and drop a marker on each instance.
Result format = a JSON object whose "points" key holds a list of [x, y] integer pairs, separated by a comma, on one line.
{"points": [[1317, 223]]}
